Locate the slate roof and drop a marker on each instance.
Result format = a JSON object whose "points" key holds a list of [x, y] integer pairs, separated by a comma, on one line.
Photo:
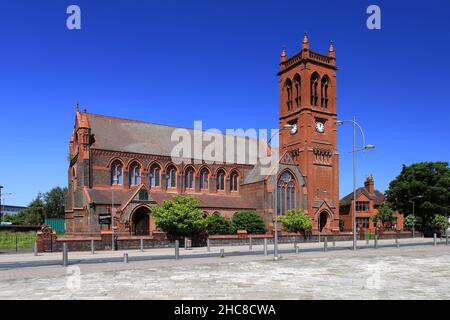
{"points": [[103, 196], [133, 136], [377, 197], [210, 200]]}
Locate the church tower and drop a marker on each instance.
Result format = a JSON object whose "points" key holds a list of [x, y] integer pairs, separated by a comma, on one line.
{"points": [[308, 104]]}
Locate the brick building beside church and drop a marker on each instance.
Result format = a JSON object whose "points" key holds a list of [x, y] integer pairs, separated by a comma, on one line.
{"points": [[368, 200], [125, 168]]}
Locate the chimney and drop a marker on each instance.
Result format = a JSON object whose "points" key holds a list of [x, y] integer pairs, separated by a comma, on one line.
{"points": [[369, 184]]}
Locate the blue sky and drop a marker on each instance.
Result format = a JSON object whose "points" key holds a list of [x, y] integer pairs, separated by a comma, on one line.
{"points": [[174, 61]]}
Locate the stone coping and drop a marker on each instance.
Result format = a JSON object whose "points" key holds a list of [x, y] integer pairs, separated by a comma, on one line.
{"points": [[75, 239]]}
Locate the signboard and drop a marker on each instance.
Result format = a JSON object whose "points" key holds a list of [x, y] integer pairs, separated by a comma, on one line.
{"points": [[104, 218]]}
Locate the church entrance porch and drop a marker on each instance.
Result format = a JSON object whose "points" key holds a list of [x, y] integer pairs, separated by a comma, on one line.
{"points": [[323, 220], [140, 225]]}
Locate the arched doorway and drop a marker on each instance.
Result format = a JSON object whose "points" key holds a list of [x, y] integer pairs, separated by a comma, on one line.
{"points": [[141, 222], [323, 219]]}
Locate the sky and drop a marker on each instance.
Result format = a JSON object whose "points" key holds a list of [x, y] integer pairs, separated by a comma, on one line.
{"points": [[176, 61]]}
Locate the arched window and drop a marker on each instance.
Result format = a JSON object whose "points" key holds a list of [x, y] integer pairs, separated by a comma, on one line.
{"points": [[297, 88], [135, 175], [171, 178], [314, 84], [324, 91], [288, 88], [204, 179], [285, 193], [234, 179], [189, 178], [155, 175], [116, 173], [220, 180]]}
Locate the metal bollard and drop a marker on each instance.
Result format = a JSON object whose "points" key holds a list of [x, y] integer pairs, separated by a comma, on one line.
{"points": [[434, 240], [334, 242], [250, 244], [265, 246], [367, 240], [375, 242], [325, 244], [125, 258], [297, 250], [208, 245], [65, 255], [177, 249], [142, 245], [396, 242], [446, 238], [35, 249], [222, 253], [92, 247]]}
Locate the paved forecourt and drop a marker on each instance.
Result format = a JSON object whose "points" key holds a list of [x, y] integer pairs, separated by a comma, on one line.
{"points": [[8, 261], [408, 272]]}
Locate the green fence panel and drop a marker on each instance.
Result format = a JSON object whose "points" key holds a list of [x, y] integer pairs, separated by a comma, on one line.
{"points": [[56, 224]]}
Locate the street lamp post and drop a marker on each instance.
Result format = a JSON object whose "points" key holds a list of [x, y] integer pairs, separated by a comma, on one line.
{"points": [[414, 217], [365, 147], [275, 195]]}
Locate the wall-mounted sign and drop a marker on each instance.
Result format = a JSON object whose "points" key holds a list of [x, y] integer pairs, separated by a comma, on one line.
{"points": [[104, 218]]}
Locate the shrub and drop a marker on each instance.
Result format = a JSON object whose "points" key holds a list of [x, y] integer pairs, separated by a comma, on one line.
{"points": [[296, 220], [250, 221], [217, 224], [180, 216], [439, 222], [408, 222], [341, 225]]}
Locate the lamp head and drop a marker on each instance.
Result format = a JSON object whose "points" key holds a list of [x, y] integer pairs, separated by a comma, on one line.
{"points": [[369, 146], [339, 122]]}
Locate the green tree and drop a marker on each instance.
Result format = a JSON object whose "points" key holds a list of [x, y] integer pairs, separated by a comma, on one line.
{"points": [[8, 217], [55, 202], [296, 220], [180, 216], [431, 181], [250, 221], [408, 222], [33, 214], [439, 222], [385, 214], [216, 224]]}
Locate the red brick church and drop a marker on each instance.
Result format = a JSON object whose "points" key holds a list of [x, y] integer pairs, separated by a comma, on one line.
{"points": [[124, 167]]}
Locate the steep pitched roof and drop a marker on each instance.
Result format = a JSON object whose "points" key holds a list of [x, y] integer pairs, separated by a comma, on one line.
{"points": [[133, 136], [103, 196], [377, 197]]}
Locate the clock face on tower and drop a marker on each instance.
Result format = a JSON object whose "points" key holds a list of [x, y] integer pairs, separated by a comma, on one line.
{"points": [[320, 127]]}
